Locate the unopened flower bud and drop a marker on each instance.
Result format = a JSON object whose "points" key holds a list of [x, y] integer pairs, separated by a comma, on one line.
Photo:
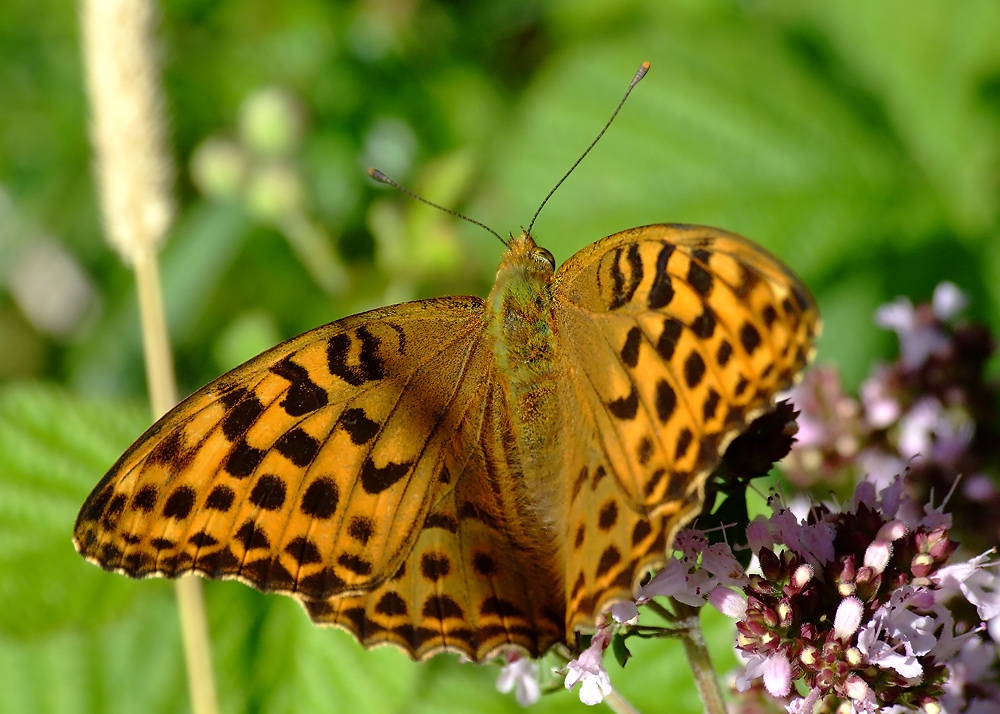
{"points": [[802, 575], [891, 531], [856, 688], [728, 602], [848, 618], [770, 564], [877, 555]]}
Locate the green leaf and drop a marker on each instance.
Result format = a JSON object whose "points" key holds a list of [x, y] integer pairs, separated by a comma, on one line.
{"points": [[54, 447], [620, 650]]}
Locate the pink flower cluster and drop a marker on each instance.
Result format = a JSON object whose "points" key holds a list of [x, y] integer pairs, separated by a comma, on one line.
{"points": [[855, 606]]}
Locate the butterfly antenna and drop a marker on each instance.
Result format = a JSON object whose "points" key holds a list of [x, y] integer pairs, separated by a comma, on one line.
{"points": [[643, 68], [382, 178]]}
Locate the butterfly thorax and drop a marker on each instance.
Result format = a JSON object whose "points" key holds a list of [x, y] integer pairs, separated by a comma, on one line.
{"points": [[524, 344]]}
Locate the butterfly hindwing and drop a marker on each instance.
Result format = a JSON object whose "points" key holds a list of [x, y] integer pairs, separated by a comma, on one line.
{"points": [[469, 585]]}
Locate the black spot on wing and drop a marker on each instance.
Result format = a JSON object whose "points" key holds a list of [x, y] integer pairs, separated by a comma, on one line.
{"points": [[243, 459], [749, 338], [169, 450], [704, 325], [625, 285], [666, 401], [320, 499], [361, 529], [483, 564], [698, 276], [391, 604], [684, 440], [297, 446], [434, 566], [114, 511], [608, 516], [252, 537], [443, 521], [375, 479], [145, 499], [711, 404], [268, 493], [630, 351], [303, 551], [694, 369], [609, 559], [179, 503], [667, 343], [662, 291], [304, 395], [358, 426], [441, 607], [370, 366], [355, 563], [241, 416], [724, 353], [220, 499], [625, 407]]}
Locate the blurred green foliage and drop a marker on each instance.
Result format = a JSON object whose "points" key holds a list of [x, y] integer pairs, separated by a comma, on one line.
{"points": [[860, 142]]}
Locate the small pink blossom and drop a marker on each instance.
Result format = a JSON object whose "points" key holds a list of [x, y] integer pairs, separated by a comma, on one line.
{"points": [[804, 705], [919, 335], [881, 408], [521, 675], [666, 583], [978, 580], [588, 671], [948, 301], [625, 612], [774, 668]]}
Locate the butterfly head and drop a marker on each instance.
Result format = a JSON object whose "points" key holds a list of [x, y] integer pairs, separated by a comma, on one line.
{"points": [[523, 252], [523, 290]]}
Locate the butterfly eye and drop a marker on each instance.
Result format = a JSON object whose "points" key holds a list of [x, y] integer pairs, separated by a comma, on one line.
{"points": [[545, 255]]}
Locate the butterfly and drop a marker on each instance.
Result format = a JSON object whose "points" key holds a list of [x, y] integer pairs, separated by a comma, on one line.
{"points": [[464, 475]]}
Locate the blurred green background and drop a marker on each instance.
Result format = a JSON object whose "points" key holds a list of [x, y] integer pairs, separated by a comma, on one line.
{"points": [[858, 141]]}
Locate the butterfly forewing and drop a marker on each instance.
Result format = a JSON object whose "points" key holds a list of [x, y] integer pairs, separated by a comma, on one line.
{"points": [[677, 337], [282, 471]]}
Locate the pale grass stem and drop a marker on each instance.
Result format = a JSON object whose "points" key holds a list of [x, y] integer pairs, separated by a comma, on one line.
{"points": [[134, 174]]}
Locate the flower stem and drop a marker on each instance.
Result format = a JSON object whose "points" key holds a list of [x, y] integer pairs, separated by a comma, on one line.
{"points": [[705, 676], [619, 704]]}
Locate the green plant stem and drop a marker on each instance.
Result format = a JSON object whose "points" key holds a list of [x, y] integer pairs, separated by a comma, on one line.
{"points": [[663, 612], [705, 676], [314, 249]]}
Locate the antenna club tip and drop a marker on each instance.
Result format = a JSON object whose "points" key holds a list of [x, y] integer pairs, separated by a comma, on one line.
{"points": [[641, 72], [377, 175]]}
